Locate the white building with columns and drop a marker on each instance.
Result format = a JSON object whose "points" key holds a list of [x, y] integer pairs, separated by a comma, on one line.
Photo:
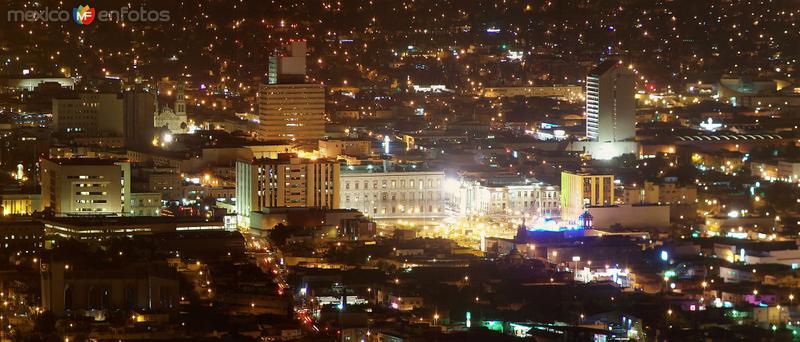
{"points": [[513, 197], [388, 194]]}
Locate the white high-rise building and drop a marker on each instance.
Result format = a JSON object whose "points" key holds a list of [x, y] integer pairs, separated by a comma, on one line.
{"points": [[610, 103]]}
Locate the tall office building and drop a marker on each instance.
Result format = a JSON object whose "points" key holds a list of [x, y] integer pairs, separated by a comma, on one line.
{"points": [[289, 64], [287, 181], [288, 108], [291, 111], [610, 103], [139, 107], [89, 115], [581, 190], [128, 115], [85, 186]]}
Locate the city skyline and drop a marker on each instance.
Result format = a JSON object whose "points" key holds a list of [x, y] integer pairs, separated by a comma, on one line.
{"points": [[400, 170]]}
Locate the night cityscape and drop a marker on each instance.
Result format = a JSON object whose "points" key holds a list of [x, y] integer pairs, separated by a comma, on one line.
{"points": [[400, 170]]}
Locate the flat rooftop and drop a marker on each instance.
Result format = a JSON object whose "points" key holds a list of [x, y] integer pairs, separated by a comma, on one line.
{"points": [[86, 161]]}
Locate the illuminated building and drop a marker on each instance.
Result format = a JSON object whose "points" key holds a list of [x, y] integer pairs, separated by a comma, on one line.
{"points": [[566, 93], [514, 197], [610, 103], [85, 186], [89, 228], [547, 201], [145, 204], [393, 194], [174, 119], [166, 181], [291, 111], [764, 170], [667, 193], [581, 190], [289, 65], [332, 148], [724, 161], [619, 277], [789, 170], [24, 237], [288, 108], [288, 181], [20, 204]]}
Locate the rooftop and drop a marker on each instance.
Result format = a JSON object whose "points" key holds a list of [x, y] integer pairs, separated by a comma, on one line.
{"points": [[86, 161]]}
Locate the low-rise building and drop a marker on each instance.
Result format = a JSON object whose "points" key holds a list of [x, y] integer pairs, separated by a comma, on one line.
{"points": [[581, 190], [651, 217], [86, 186], [666, 193], [145, 204], [393, 194], [135, 287], [107, 227], [332, 148], [20, 203], [514, 197]]}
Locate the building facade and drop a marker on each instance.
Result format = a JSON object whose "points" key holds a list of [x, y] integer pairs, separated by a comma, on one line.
{"points": [[610, 103], [291, 111], [85, 186], [515, 198], [581, 190], [128, 115], [332, 148], [89, 115], [174, 119], [139, 108], [287, 181], [394, 194], [145, 204], [288, 65], [134, 287], [652, 193]]}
